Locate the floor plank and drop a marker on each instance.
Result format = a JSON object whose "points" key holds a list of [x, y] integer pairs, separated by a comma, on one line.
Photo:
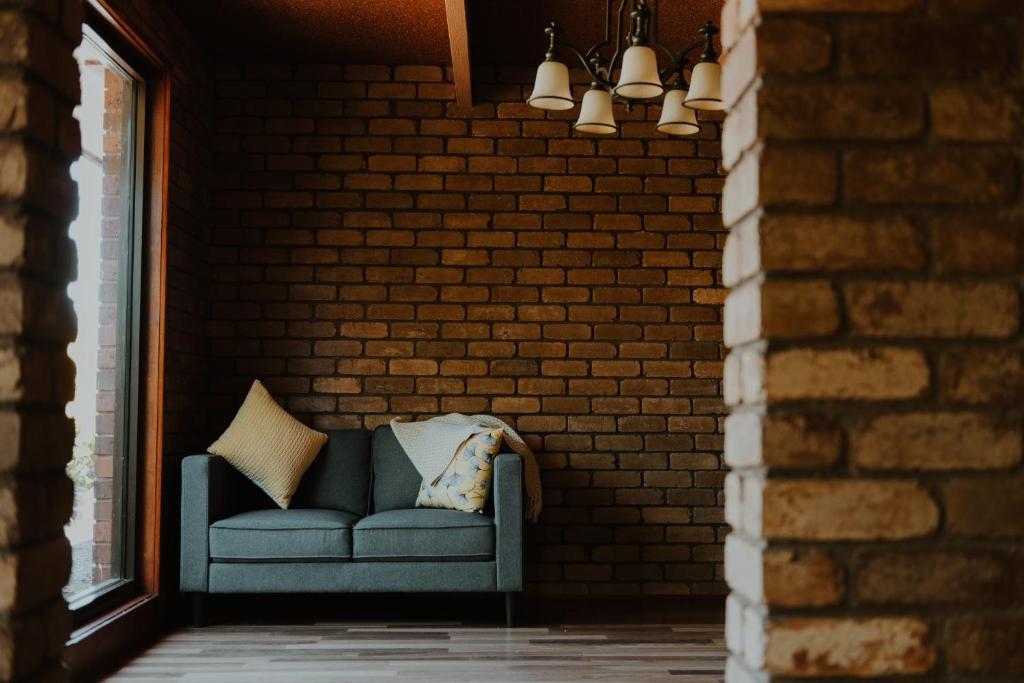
{"points": [[444, 652]]}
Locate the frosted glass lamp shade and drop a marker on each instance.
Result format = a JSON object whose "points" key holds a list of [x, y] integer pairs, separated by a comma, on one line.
{"points": [[596, 113], [551, 89], [677, 119], [639, 78], [706, 87]]}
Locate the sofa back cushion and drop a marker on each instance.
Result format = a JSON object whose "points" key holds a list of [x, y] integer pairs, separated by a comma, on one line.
{"points": [[339, 478], [396, 481]]}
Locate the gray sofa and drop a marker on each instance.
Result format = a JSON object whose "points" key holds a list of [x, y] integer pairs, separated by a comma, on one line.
{"points": [[352, 527]]}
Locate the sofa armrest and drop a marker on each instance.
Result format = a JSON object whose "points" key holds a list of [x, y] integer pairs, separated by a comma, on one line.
{"points": [[205, 499], [508, 521]]}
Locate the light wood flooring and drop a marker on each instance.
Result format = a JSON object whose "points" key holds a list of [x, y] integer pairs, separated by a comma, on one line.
{"points": [[692, 651]]}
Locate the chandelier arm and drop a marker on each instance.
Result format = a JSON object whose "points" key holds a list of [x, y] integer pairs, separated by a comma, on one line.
{"points": [[594, 75], [595, 49], [691, 47], [618, 37], [678, 60], [607, 23]]}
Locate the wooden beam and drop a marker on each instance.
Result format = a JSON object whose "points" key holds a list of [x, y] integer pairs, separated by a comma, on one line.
{"points": [[458, 38]]}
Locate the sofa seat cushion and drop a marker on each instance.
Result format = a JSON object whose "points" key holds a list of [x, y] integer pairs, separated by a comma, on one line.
{"points": [[295, 535], [424, 534]]}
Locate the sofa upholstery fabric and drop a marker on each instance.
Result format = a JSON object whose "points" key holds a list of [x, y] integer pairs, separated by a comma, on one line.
{"points": [[339, 478], [352, 577], [283, 536], [396, 481], [423, 534]]}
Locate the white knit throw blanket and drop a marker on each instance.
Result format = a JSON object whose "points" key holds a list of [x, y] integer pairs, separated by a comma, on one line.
{"points": [[430, 444]]}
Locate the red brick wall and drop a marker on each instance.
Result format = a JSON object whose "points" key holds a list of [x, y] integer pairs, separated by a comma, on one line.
{"points": [[107, 353], [378, 252]]}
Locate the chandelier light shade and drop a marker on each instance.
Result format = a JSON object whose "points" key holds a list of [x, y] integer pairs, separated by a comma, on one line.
{"points": [[596, 113], [706, 87], [640, 78], [632, 50], [551, 88], [677, 118]]}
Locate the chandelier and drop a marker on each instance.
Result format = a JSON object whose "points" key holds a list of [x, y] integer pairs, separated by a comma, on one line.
{"points": [[639, 79]]}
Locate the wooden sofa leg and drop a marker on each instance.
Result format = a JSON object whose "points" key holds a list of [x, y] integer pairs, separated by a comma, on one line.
{"points": [[510, 610], [198, 609]]}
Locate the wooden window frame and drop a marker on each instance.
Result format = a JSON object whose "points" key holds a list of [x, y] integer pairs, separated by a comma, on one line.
{"points": [[130, 617]]}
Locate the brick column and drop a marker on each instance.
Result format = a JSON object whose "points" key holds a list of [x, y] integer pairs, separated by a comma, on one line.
{"points": [[875, 371], [38, 140]]}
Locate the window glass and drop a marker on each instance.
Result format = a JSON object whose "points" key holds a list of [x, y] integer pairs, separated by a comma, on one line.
{"points": [[105, 298]]}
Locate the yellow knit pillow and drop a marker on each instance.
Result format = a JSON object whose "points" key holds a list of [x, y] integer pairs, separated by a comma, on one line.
{"points": [[466, 482], [268, 445]]}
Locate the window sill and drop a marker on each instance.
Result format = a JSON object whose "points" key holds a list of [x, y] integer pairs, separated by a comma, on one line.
{"points": [[105, 643]]}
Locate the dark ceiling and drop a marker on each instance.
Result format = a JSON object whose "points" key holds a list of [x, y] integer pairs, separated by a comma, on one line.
{"points": [[505, 32]]}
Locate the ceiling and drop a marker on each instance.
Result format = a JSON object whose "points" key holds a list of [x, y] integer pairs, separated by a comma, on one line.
{"points": [[501, 32], [510, 32]]}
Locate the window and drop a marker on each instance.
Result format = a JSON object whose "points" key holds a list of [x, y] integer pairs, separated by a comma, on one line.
{"points": [[106, 297]]}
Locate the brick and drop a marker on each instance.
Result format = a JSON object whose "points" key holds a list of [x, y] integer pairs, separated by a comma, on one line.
{"points": [[980, 375], [844, 374], [989, 507], [805, 578], [413, 367], [873, 48], [835, 243], [974, 113], [985, 645], [804, 177], [849, 647], [936, 441], [911, 176], [990, 246], [944, 577], [779, 440], [780, 309], [847, 510], [792, 46], [418, 73], [337, 385], [933, 309], [838, 111]]}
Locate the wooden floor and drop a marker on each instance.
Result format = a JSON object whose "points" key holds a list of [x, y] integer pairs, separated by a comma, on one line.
{"points": [[442, 652]]}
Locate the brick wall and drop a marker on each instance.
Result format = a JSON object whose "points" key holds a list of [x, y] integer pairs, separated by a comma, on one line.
{"points": [[38, 140], [107, 354], [378, 252], [875, 370]]}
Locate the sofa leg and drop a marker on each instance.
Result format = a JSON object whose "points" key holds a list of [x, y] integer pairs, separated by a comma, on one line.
{"points": [[510, 610], [198, 609]]}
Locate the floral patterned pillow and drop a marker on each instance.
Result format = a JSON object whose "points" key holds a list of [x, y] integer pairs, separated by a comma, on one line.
{"points": [[466, 482]]}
